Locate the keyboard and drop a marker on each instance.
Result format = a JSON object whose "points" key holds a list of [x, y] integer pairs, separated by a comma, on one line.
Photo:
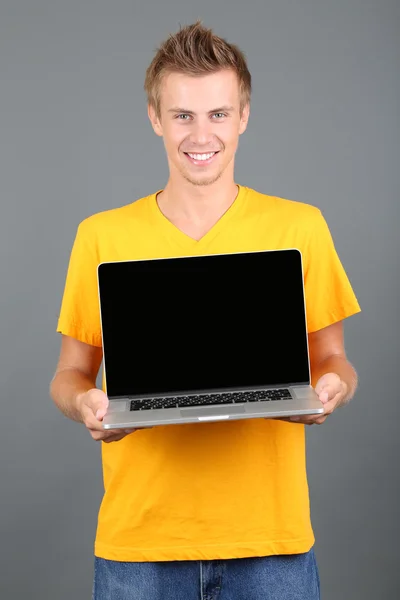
{"points": [[211, 399]]}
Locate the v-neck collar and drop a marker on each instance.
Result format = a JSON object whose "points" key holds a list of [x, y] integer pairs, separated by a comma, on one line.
{"points": [[183, 239]]}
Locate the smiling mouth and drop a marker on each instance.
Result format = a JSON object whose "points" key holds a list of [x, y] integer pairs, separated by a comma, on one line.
{"points": [[204, 158]]}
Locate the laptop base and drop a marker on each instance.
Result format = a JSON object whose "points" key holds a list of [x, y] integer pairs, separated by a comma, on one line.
{"points": [[304, 401]]}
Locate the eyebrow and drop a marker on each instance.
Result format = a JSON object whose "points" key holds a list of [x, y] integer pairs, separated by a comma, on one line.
{"points": [[176, 109]]}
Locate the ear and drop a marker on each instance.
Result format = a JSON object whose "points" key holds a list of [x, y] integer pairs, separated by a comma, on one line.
{"points": [[154, 120], [244, 119]]}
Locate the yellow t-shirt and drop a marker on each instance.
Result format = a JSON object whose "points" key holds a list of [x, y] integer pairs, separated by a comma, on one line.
{"points": [[210, 490]]}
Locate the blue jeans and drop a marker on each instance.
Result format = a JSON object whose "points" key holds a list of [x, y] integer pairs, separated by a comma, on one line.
{"points": [[291, 577]]}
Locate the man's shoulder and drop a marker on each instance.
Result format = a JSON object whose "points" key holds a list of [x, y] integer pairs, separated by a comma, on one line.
{"points": [[115, 217], [287, 207]]}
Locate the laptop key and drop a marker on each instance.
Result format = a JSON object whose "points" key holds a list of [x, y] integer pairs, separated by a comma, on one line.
{"points": [[211, 399]]}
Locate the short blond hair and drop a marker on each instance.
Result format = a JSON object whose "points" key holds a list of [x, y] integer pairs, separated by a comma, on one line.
{"points": [[195, 50]]}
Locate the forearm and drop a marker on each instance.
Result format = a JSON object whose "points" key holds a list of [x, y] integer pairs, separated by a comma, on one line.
{"points": [[342, 367], [66, 388]]}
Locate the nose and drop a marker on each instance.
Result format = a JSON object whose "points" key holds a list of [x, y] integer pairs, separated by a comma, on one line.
{"points": [[201, 133]]}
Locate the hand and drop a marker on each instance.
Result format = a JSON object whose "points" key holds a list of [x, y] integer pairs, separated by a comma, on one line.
{"points": [[92, 406], [331, 390]]}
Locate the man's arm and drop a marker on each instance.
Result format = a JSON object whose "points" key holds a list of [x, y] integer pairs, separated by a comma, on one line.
{"points": [[73, 389], [332, 375], [328, 355], [75, 374]]}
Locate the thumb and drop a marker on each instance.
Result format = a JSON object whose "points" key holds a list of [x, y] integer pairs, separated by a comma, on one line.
{"points": [[324, 395], [102, 409], [98, 402], [325, 388]]}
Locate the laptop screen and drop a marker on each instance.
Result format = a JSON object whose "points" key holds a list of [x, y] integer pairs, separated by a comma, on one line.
{"points": [[217, 322]]}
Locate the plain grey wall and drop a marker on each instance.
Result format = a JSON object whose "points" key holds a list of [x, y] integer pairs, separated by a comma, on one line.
{"points": [[74, 140]]}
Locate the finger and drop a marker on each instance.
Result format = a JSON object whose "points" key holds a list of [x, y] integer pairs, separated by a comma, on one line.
{"points": [[100, 412], [115, 438], [321, 420], [321, 385], [328, 393], [109, 435], [93, 408], [330, 406], [326, 381], [98, 433], [104, 434], [114, 435], [308, 419], [302, 420], [307, 422], [98, 401], [324, 396], [90, 420]]}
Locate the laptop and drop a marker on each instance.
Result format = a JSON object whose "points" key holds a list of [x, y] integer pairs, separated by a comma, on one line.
{"points": [[206, 338]]}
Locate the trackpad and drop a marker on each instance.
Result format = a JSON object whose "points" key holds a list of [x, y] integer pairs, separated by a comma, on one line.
{"points": [[211, 411]]}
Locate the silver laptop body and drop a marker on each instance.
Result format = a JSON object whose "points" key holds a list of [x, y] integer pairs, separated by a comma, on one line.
{"points": [[205, 338]]}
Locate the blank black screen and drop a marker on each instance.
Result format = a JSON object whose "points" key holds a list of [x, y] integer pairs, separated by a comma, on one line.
{"points": [[204, 322]]}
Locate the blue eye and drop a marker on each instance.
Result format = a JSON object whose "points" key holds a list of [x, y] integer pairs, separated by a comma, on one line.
{"points": [[182, 115], [221, 114]]}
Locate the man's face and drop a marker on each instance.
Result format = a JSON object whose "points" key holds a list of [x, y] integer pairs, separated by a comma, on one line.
{"points": [[200, 123]]}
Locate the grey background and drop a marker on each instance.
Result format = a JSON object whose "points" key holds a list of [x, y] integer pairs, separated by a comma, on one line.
{"points": [[75, 140]]}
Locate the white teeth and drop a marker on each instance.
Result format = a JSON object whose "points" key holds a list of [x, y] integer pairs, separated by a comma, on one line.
{"points": [[201, 156]]}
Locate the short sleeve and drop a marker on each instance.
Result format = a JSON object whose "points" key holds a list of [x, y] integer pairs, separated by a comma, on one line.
{"points": [[79, 315], [329, 294]]}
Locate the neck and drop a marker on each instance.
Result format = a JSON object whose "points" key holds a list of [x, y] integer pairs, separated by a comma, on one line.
{"points": [[181, 199]]}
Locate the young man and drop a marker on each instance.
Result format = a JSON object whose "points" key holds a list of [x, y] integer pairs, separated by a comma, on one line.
{"points": [[217, 510]]}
